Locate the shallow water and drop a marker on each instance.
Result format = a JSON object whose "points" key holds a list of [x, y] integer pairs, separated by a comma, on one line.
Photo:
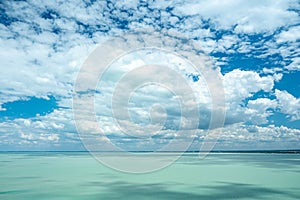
{"points": [[57, 175]]}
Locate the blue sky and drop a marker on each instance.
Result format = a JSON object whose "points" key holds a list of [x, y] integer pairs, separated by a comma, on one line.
{"points": [[254, 46]]}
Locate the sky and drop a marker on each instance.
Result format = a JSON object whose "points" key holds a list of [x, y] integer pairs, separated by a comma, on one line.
{"points": [[253, 47]]}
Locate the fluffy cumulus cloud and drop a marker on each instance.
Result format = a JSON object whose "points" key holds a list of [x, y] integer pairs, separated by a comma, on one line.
{"points": [[240, 85], [288, 104], [253, 47]]}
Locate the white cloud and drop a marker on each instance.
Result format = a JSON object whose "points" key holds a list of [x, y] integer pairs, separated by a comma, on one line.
{"points": [[277, 77], [241, 84], [288, 104], [227, 42], [295, 65], [291, 35], [247, 16], [272, 70], [258, 109], [239, 136], [38, 61]]}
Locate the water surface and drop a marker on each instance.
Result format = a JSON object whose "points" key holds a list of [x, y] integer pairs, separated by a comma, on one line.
{"points": [[77, 175]]}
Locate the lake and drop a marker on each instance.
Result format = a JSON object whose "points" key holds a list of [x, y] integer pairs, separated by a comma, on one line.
{"points": [[77, 175]]}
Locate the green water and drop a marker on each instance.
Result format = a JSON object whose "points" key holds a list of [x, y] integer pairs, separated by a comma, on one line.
{"points": [[51, 175]]}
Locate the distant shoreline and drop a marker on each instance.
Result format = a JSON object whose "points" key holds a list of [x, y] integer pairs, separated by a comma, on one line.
{"points": [[297, 151]]}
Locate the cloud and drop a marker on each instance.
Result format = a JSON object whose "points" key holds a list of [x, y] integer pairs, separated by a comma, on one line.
{"points": [[240, 136], [288, 104], [290, 35], [44, 43], [259, 109], [240, 84], [246, 17], [295, 65]]}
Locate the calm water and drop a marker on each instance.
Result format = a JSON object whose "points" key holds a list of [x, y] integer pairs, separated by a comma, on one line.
{"points": [[219, 176]]}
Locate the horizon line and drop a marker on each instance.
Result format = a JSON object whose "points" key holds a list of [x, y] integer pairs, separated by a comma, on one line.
{"points": [[213, 151]]}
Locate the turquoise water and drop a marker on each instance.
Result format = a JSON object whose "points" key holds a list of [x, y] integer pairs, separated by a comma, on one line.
{"points": [[51, 175]]}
